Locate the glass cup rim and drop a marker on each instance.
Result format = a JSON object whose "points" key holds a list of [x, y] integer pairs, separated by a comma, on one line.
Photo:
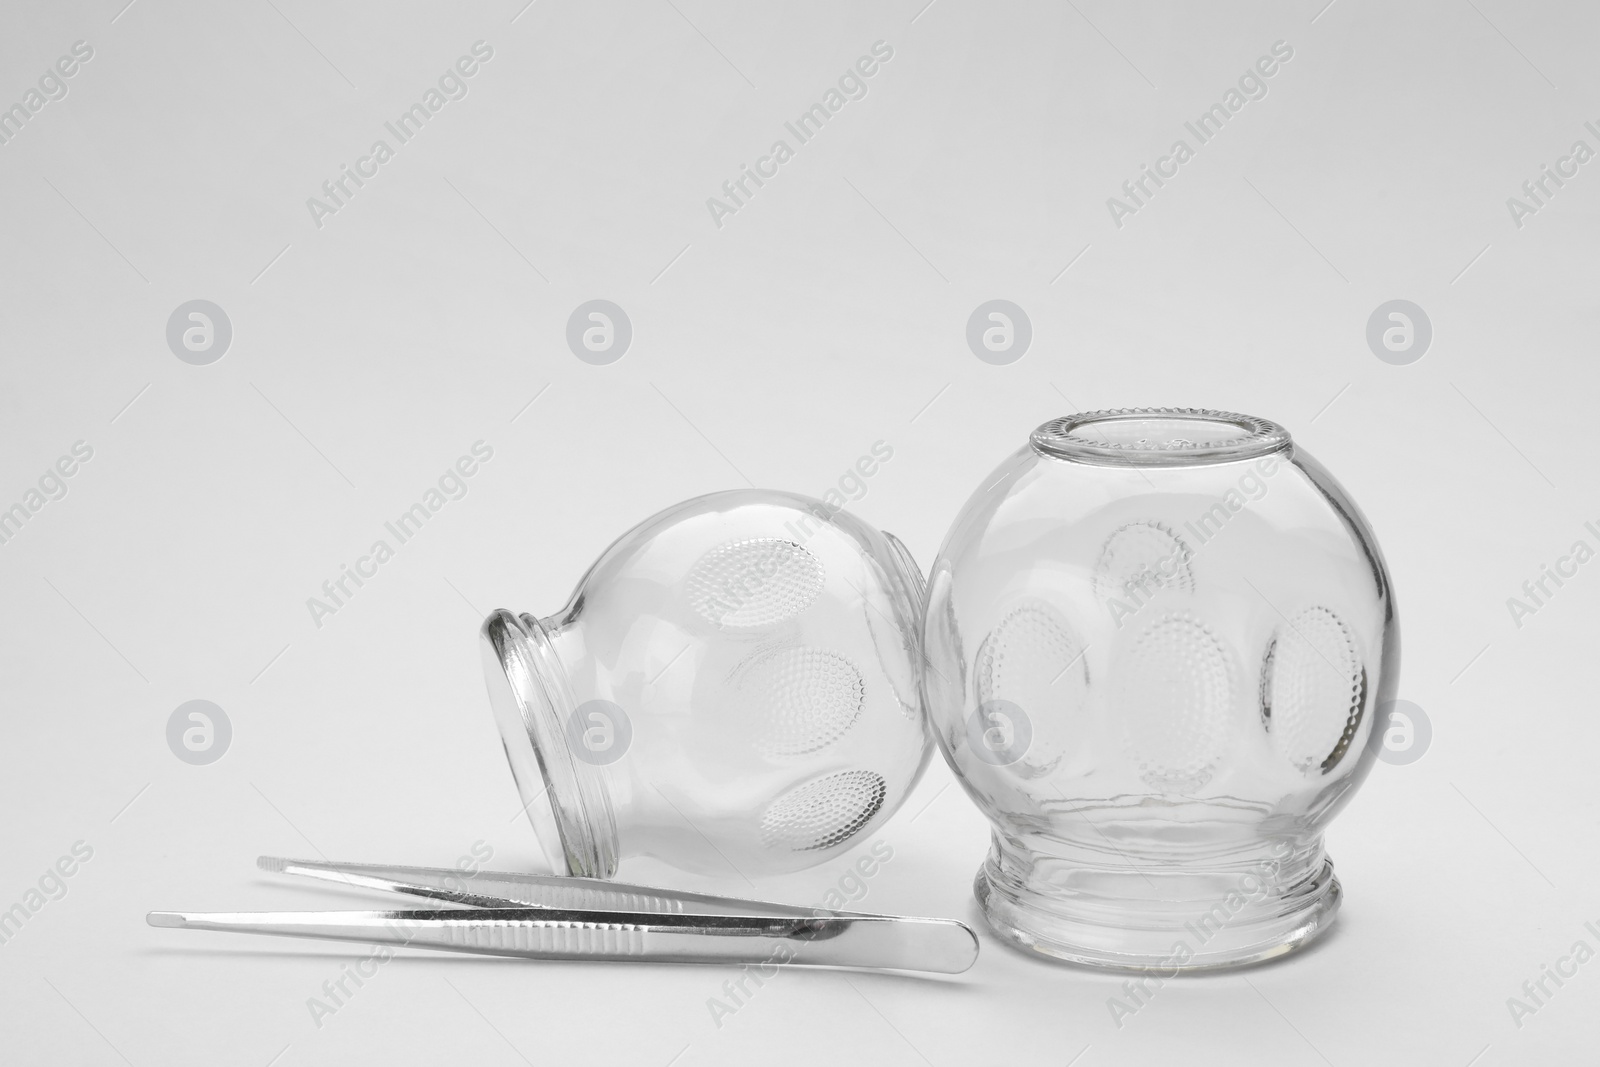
{"points": [[570, 813], [1231, 436]]}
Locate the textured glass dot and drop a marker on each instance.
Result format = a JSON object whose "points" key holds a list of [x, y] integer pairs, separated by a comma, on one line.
{"points": [[803, 699], [1175, 695], [1139, 560], [1034, 661], [824, 812], [1313, 690], [755, 583]]}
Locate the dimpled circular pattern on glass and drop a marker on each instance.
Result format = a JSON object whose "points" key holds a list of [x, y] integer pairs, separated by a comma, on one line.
{"points": [[1313, 690], [1024, 658], [824, 812], [1139, 559], [755, 583], [1176, 695], [803, 698]]}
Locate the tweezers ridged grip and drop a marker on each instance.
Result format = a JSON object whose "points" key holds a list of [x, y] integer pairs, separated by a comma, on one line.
{"points": [[571, 898], [577, 939]]}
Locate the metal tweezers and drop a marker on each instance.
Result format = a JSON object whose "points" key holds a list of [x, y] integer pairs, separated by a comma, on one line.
{"points": [[545, 917]]}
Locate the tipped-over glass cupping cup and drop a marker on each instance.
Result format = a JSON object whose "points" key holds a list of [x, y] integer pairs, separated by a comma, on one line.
{"points": [[733, 688], [1156, 641]]}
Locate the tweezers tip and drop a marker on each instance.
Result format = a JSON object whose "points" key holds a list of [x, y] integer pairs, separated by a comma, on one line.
{"points": [[170, 919], [272, 863]]}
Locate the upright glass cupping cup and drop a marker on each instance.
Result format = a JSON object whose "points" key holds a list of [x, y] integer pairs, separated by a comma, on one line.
{"points": [[1156, 641], [733, 688]]}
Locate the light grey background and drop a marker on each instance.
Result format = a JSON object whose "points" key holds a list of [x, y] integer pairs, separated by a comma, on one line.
{"points": [[827, 314]]}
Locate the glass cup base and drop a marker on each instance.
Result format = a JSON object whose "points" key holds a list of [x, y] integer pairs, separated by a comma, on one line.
{"points": [[1098, 925]]}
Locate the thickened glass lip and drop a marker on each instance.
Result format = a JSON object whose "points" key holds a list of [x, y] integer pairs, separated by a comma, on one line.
{"points": [[531, 702], [1159, 437]]}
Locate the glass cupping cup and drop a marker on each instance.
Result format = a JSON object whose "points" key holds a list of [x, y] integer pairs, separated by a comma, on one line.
{"points": [[1156, 643], [733, 684]]}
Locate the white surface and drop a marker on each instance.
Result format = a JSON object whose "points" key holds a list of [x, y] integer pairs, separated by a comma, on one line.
{"points": [[826, 315]]}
